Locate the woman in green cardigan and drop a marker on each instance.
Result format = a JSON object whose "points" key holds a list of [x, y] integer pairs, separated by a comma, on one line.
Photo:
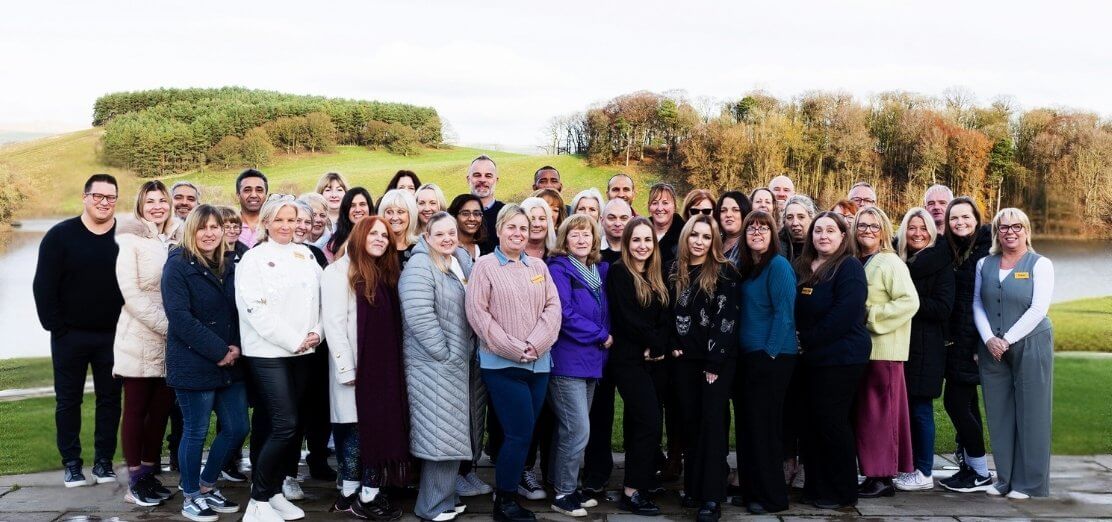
{"points": [[881, 417]]}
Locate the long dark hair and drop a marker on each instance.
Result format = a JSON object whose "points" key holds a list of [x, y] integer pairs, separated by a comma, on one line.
{"points": [[369, 270], [960, 248], [403, 174], [748, 266], [743, 204], [802, 263], [457, 205], [344, 225]]}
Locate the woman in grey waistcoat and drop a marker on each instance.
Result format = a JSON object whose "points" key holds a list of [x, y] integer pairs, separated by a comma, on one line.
{"points": [[439, 351], [1011, 299]]}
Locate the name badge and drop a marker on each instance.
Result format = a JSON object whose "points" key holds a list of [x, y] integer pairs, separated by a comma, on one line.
{"points": [[299, 255], [806, 290], [538, 278], [1023, 275]]}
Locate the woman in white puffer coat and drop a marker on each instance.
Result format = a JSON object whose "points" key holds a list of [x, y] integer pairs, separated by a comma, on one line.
{"points": [[139, 349]]}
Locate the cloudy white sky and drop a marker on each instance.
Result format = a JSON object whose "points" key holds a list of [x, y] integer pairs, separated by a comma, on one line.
{"points": [[497, 71]]}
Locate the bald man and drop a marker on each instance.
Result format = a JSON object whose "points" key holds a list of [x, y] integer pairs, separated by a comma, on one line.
{"points": [[782, 189]]}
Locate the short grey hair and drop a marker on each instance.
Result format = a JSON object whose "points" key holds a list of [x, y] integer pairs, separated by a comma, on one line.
{"points": [[801, 200], [185, 184], [936, 188]]}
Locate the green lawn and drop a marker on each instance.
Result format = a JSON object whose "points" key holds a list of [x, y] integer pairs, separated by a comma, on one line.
{"points": [[60, 164], [1082, 419], [1084, 325], [28, 372]]}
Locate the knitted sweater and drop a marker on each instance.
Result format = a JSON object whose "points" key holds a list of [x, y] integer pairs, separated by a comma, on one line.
{"points": [[891, 303], [512, 304]]}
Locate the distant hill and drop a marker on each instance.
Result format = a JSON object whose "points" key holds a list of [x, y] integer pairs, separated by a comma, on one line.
{"points": [[9, 137], [58, 165]]}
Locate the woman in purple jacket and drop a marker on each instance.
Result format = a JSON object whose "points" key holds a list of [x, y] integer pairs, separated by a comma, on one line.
{"points": [[579, 353]]}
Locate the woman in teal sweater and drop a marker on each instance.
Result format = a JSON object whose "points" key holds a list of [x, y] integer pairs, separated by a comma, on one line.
{"points": [[764, 369], [882, 419]]}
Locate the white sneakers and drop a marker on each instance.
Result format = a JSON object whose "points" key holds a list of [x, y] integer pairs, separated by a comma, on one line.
{"points": [[260, 512], [291, 489], [800, 477], [914, 481], [1017, 495], [285, 508], [993, 492]]}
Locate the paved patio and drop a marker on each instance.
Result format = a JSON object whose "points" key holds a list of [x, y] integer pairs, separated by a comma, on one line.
{"points": [[1081, 489]]}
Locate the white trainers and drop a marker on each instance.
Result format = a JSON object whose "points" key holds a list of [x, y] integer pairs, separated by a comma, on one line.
{"points": [[285, 509], [291, 489], [800, 477], [1017, 495], [914, 481], [993, 491], [260, 512]]}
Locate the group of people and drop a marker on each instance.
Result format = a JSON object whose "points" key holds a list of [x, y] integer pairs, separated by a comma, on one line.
{"points": [[414, 334]]}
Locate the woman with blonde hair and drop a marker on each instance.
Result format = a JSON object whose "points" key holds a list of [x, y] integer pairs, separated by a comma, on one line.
{"points": [[321, 229], [430, 200], [555, 202], [542, 233], [332, 186], [881, 418], [931, 269], [399, 208], [139, 348], [705, 286], [1013, 291], [589, 202]]}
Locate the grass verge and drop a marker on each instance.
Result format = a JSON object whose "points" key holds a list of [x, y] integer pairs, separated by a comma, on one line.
{"points": [[1083, 325]]}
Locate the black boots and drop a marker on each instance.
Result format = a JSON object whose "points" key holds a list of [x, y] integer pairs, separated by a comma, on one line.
{"points": [[638, 504], [507, 508], [876, 487]]}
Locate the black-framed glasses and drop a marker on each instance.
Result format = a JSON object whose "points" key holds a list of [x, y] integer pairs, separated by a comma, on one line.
{"points": [[868, 227], [232, 228], [470, 214], [1014, 228], [755, 230], [697, 211], [97, 197], [863, 201]]}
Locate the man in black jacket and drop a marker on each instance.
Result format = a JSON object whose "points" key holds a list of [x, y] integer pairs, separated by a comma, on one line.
{"points": [[78, 300]]}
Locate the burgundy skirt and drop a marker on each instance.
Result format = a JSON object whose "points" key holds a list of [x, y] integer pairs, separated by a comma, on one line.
{"points": [[881, 421]]}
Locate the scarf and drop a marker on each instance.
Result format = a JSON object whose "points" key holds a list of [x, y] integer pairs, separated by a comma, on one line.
{"points": [[380, 394], [590, 275]]}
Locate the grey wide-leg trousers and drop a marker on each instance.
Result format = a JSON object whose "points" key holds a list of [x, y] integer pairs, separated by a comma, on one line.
{"points": [[438, 488], [1017, 394]]}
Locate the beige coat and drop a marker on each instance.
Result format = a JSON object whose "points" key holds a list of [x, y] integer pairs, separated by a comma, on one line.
{"points": [[140, 344], [339, 319]]}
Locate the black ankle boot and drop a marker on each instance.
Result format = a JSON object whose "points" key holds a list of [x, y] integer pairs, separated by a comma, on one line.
{"points": [[507, 509], [875, 488]]}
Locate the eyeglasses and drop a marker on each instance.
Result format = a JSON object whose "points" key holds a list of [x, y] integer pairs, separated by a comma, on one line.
{"points": [[868, 227], [97, 198], [862, 201], [697, 211], [757, 230], [232, 228], [471, 213], [1014, 228]]}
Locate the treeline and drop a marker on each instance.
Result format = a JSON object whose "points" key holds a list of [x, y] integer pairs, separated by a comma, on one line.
{"points": [[1055, 163], [166, 131]]}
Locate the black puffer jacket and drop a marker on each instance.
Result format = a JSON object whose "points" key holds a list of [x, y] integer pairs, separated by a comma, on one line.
{"points": [[932, 272], [964, 339]]}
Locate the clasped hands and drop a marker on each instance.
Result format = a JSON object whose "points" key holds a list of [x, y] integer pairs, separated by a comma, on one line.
{"points": [[996, 347]]}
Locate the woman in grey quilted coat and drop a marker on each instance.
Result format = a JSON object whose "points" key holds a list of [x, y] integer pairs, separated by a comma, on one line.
{"points": [[439, 350]]}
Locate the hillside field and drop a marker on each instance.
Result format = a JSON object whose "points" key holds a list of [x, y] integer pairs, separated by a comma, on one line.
{"points": [[59, 165]]}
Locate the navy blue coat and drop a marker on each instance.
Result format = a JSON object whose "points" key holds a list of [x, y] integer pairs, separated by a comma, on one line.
{"points": [[202, 322], [830, 317]]}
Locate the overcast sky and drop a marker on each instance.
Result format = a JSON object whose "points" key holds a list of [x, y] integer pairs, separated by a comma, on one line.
{"points": [[497, 71]]}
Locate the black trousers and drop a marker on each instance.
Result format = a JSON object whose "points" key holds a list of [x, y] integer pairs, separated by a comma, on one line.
{"points": [[706, 428], [72, 353], [762, 385], [316, 410], [281, 384], [173, 437], [598, 459], [663, 374], [641, 422], [830, 446], [963, 407], [794, 416]]}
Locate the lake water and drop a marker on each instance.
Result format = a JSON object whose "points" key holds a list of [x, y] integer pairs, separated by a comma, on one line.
{"points": [[1082, 269]]}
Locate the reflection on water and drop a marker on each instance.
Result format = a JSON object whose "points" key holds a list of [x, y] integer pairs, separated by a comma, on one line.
{"points": [[1081, 269]]}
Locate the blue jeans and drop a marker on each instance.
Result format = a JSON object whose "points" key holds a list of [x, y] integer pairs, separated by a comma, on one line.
{"points": [[230, 405], [517, 395], [570, 398], [921, 411]]}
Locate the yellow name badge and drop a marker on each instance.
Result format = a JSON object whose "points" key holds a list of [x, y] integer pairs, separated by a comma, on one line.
{"points": [[1023, 275], [299, 255], [538, 278], [806, 290]]}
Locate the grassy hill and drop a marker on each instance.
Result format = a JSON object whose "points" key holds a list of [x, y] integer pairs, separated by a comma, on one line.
{"points": [[58, 165]]}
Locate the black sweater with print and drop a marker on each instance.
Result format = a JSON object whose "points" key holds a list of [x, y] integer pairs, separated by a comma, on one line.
{"points": [[707, 325]]}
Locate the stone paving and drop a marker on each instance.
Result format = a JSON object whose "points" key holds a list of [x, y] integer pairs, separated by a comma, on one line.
{"points": [[1081, 489]]}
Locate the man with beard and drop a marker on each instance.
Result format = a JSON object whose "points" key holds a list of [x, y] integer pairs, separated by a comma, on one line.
{"points": [[782, 189], [186, 196], [482, 177], [935, 200], [799, 210], [251, 188]]}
